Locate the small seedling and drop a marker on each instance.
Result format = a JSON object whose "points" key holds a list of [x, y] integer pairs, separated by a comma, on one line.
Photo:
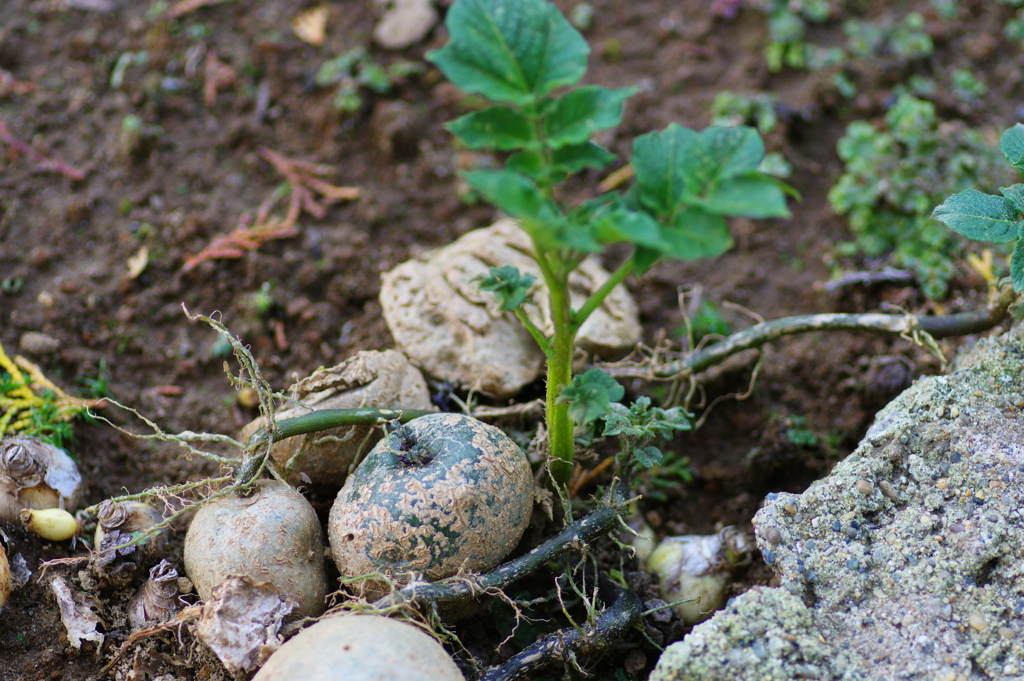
{"points": [[998, 219], [355, 70], [526, 58]]}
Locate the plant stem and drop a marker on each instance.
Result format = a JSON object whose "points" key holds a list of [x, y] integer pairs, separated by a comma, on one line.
{"points": [[622, 614], [560, 441], [759, 334], [585, 530], [258, 448], [598, 296]]}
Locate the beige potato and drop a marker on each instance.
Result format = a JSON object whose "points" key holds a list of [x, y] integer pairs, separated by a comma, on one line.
{"points": [[360, 648], [272, 535]]}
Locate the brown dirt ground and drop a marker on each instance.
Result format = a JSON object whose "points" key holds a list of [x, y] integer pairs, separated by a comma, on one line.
{"points": [[69, 242]]}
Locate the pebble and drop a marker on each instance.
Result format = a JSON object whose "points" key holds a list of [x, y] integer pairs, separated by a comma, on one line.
{"points": [[38, 344], [977, 621], [887, 489], [790, 509], [407, 23], [864, 487], [772, 535]]}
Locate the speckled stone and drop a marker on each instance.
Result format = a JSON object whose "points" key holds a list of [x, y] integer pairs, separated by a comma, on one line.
{"points": [[921, 577]]}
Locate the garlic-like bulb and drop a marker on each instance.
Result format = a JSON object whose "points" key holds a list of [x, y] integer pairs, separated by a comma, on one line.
{"points": [[5, 577], [125, 516], [157, 600], [35, 474], [117, 560], [53, 524], [696, 569]]}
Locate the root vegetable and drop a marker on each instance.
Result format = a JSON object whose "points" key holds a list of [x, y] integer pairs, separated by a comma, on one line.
{"points": [[697, 569], [5, 577], [442, 493], [118, 524], [52, 524], [36, 474], [366, 647], [157, 599], [370, 379], [272, 535]]}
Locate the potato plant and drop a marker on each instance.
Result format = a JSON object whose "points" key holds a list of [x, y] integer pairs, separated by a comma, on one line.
{"points": [[521, 56]]}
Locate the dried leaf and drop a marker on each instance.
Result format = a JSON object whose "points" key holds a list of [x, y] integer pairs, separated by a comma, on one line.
{"points": [[311, 26], [303, 186], [186, 6], [240, 623], [217, 76], [137, 263], [78, 617]]}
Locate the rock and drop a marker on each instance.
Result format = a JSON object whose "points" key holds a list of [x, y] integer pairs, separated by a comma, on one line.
{"points": [[918, 575], [406, 23], [370, 379], [38, 344], [450, 328]]}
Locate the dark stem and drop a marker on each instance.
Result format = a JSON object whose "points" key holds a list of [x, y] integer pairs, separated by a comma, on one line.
{"points": [[614, 622], [583, 531]]}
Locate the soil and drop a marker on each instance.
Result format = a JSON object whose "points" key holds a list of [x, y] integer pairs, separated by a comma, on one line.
{"points": [[188, 167]]}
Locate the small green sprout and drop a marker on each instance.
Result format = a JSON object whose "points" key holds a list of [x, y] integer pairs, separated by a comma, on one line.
{"points": [[355, 69]]}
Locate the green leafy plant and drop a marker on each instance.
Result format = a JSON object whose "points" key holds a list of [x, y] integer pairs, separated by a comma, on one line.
{"points": [[526, 58], [905, 40], [355, 70], [998, 219], [787, 26], [758, 110], [896, 175]]}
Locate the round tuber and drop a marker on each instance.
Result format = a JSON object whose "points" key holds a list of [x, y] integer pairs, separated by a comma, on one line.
{"points": [[360, 648], [440, 494], [323, 459], [270, 535]]}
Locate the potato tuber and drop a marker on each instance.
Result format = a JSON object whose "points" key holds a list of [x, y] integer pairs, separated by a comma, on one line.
{"points": [[360, 648], [271, 535]]}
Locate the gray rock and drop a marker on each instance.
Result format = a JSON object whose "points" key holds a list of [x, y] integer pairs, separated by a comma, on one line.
{"points": [[909, 556]]}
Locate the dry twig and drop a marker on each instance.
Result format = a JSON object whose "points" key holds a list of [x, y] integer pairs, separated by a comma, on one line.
{"points": [[304, 184], [43, 163]]}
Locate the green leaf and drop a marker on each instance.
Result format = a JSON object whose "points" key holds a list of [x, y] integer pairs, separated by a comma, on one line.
{"points": [[574, 117], [572, 159], [1017, 262], [979, 216], [529, 163], [510, 50], [1015, 194], [590, 396], [1012, 146], [629, 226], [508, 285], [696, 233], [495, 128], [718, 154], [644, 259], [660, 176], [752, 195], [511, 192], [649, 456]]}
